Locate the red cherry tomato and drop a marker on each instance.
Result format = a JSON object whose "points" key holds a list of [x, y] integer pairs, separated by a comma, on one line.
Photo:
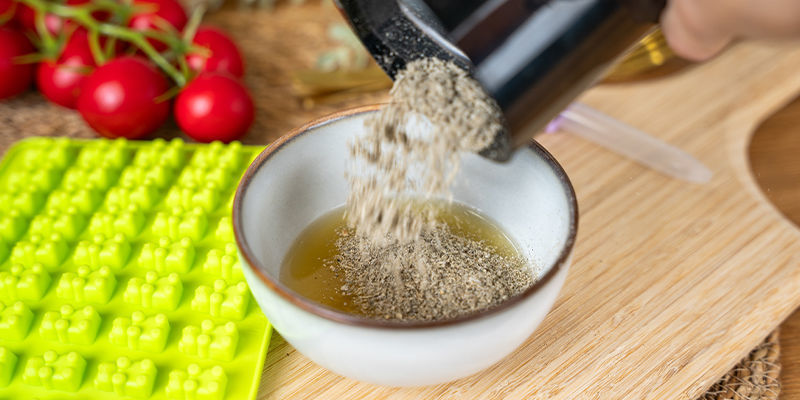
{"points": [[80, 34], [26, 17], [60, 81], [223, 55], [120, 98], [15, 77], [155, 13], [214, 107]]}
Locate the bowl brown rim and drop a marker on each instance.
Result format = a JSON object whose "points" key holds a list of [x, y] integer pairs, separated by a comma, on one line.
{"points": [[355, 320]]}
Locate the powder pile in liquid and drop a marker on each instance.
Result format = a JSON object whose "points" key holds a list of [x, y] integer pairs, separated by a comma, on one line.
{"points": [[397, 260], [440, 275]]}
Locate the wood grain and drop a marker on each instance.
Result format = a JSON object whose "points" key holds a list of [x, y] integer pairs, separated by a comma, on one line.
{"points": [[672, 283], [775, 160]]}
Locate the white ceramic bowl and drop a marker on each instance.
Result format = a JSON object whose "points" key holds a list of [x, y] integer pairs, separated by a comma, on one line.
{"points": [[301, 176]]}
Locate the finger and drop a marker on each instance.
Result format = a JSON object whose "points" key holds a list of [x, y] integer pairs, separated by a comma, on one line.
{"points": [[767, 19], [696, 29]]}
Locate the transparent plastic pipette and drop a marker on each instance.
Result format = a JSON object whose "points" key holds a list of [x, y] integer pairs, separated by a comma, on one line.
{"points": [[628, 141]]}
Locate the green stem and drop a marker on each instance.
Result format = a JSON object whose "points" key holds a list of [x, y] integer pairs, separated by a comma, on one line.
{"points": [[110, 49], [48, 42], [194, 22], [138, 40], [188, 36], [83, 16], [5, 17], [94, 47], [121, 10]]}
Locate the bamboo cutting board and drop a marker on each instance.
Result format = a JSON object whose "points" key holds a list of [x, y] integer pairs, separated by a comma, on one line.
{"points": [[672, 283]]}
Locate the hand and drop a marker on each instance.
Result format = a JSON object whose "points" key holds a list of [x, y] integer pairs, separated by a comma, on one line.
{"points": [[699, 29]]}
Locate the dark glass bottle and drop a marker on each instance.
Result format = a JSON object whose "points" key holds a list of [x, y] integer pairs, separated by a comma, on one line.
{"points": [[533, 56]]}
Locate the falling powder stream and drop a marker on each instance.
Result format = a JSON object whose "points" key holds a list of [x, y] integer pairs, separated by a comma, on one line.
{"points": [[399, 262]]}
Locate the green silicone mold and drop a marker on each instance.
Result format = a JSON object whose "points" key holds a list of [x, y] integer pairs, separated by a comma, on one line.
{"points": [[127, 378], [196, 383], [210, 341], [15, 321], [8, 361], [56, 372], [119, 275], [24, 283]]}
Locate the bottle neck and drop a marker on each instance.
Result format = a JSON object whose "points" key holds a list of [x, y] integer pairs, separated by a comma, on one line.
{"points": [[535, 57]]}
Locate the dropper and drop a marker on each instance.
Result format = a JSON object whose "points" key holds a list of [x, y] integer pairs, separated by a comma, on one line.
{"points": [[626, 140]]}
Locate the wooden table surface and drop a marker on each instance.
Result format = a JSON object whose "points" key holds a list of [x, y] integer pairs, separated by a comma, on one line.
{"points": [[671, 283], [775, 160]]}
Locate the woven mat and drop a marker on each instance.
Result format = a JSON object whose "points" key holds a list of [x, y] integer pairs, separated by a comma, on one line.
{"points": [[274, 45], [754, 378]]}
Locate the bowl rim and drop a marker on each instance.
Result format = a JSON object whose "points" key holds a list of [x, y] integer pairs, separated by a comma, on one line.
{"points": [[334, 315]]}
